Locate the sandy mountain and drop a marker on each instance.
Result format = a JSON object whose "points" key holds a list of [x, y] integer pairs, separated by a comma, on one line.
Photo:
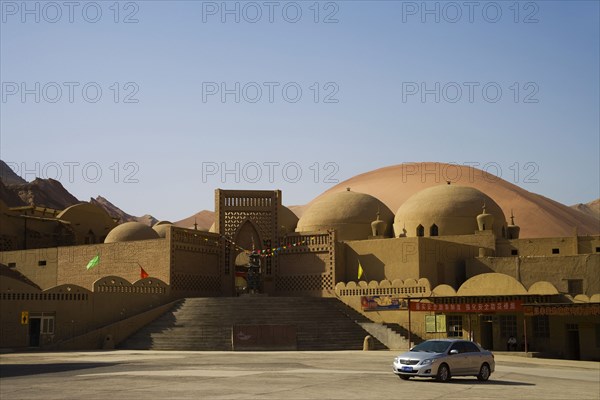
{"points": [[592, 208], [537, 215], [121, 215], [203, 218], [8, 176]]}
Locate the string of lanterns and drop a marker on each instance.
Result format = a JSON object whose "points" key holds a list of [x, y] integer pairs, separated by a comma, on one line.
{"points": [[264, 252]]}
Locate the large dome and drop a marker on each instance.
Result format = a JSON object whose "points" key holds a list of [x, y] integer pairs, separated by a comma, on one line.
{"points": [[349, 213], [447, 209], [130, 231]]}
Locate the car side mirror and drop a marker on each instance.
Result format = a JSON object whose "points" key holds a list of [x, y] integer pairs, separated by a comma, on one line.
{"points": [[453, 351]]}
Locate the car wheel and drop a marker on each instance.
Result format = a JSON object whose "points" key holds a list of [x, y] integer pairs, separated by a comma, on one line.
{"points": [[443, 374], [404, 377], [484, 372]]}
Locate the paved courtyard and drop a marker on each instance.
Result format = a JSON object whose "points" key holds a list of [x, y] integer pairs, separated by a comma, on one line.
{"points": [[275, 375]]}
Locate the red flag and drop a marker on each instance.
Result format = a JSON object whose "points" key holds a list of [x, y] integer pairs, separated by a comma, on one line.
{"points": [[143, 274]]}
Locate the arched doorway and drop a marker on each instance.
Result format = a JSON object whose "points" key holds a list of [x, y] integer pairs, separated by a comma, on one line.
{"points": [[246, 238]]}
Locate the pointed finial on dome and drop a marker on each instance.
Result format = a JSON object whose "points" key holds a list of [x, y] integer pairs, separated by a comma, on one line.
{"points": [[378, 226], [484, 207], [513, 230], [195, 224]]}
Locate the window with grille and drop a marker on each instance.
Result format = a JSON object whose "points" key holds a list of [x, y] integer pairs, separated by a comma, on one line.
{"points": [[541, 326], [454, 325], [508, 326]]}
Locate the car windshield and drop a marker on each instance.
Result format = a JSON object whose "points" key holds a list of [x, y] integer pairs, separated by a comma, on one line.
{"points": [[432, 346]]}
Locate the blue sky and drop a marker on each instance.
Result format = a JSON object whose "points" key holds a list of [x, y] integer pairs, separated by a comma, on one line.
{"points": [[381, 83]]}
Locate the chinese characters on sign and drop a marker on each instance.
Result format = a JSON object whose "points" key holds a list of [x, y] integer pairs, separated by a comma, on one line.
{"points": [[563, 309], [490, 307]]}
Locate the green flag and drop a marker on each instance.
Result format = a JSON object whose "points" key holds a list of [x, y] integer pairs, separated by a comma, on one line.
{"points": [[93, 262]]}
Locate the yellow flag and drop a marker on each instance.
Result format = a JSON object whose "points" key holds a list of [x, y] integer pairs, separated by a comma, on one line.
{"points": [[360, 270]]}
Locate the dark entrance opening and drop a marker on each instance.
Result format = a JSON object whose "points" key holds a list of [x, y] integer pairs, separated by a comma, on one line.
{"points": [[487, 332], [34, 331], [573, 342]]}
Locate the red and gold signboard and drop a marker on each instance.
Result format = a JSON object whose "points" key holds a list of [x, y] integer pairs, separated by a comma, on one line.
{"points": [[563, 309], [488, 307]]}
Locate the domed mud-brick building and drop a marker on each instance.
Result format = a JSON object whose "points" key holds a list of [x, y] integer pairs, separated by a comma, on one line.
{"points": [[447, 210], [446, 264], [348, 213]]}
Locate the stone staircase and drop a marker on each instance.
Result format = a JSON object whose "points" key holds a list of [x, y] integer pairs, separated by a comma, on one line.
{"points": [[205, 324], [393, 336], [400, 330]]}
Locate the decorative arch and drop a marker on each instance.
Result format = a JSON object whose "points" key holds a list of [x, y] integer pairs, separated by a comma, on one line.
{"points": [[491, 284], [248, 235]]}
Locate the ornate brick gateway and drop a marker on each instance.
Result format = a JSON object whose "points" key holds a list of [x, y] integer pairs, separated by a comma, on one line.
{"points": [[256, 221]]}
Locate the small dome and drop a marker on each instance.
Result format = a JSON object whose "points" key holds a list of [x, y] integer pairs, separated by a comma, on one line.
{"points": [[130, 231], [162, 223], [287, 220], [90, 222], [161, 227], [446, 210], [491, 284], [349, 213]]}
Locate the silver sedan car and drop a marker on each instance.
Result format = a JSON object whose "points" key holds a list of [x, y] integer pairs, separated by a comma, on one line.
{"points": [[445, 358]]}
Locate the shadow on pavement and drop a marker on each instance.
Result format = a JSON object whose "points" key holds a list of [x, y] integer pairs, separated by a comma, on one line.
{"points": [[12, 370], [491, 382]]}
